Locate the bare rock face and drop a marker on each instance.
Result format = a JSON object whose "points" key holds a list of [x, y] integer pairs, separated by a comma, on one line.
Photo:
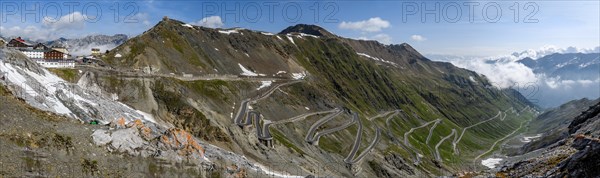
{"points": [[585, 120], [585, 162], [132, 139], [145, 139], [182, 142], [46, 91], [20, 60], [399, 163], [577, 155]]}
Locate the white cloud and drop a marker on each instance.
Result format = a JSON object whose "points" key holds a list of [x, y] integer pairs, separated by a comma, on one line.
{"points": [[418, 38], [382, 38], [211, 22], [30, 32], [374, 24], [556, 83], [49, 29], [142, 18], [538, 88], [502, 74], [72, 21], [505, 71], [547, 50], [85, 50]]}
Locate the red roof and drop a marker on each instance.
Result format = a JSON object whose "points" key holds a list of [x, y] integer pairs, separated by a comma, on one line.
{"points": [[19, 39]]}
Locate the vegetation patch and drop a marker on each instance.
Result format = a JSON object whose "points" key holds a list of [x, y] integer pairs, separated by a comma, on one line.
{"points": [[211, 88], [285, 142], [63, 142], [90, 166], [379, 171], [3, 91], [187, 117], [69, 75]]}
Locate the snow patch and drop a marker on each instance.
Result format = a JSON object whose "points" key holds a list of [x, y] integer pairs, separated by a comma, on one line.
{"points": [[228, 31], [246, 72], [291, 39], [279, 38], [13, 76], [299, 76], [217, 49], [472, 79], [187, 25], [281, 72], [273, 173], [588, 63], [491, 162], [264, 84], [46, 91], [306, 108], [376, 59], [529, 139], [146, 116], [266, 33], [309, 35]]}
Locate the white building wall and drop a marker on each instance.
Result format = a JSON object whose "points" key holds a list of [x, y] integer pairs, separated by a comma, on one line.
{"points": [[34, 54], [52, 64]]}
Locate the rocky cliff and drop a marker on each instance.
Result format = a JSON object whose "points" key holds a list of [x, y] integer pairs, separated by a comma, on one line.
{"points": [[576, 155]]}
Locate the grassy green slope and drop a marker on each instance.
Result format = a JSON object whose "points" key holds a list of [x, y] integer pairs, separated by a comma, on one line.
{"points": [[368, 88]]}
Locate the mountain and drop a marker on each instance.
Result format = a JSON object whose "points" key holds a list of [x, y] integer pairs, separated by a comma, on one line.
{"points": [[552, 125], [83, 46], [363, 77], [565, 77], [575, 154], [302, 102], [569, 66], [307, 29], [547, 80]]}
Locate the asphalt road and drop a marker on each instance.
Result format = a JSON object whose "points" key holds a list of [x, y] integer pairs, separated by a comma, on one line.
{"points": [[356, 144], [431, 131], [332, 130], [262, 129], [313, 128], [454, 144], [437, 151]]}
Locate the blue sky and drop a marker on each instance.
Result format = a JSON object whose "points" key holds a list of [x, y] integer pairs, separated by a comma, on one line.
{"points": [[558, 23]]}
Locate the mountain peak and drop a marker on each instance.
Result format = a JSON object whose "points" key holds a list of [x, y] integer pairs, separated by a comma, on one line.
{"points": [[405, 48], [307, 29]]}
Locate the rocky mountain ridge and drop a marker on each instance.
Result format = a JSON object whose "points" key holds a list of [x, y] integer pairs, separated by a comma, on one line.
{"points": [[84, 45], [576, 155], [569, 66], [552, 125]]}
